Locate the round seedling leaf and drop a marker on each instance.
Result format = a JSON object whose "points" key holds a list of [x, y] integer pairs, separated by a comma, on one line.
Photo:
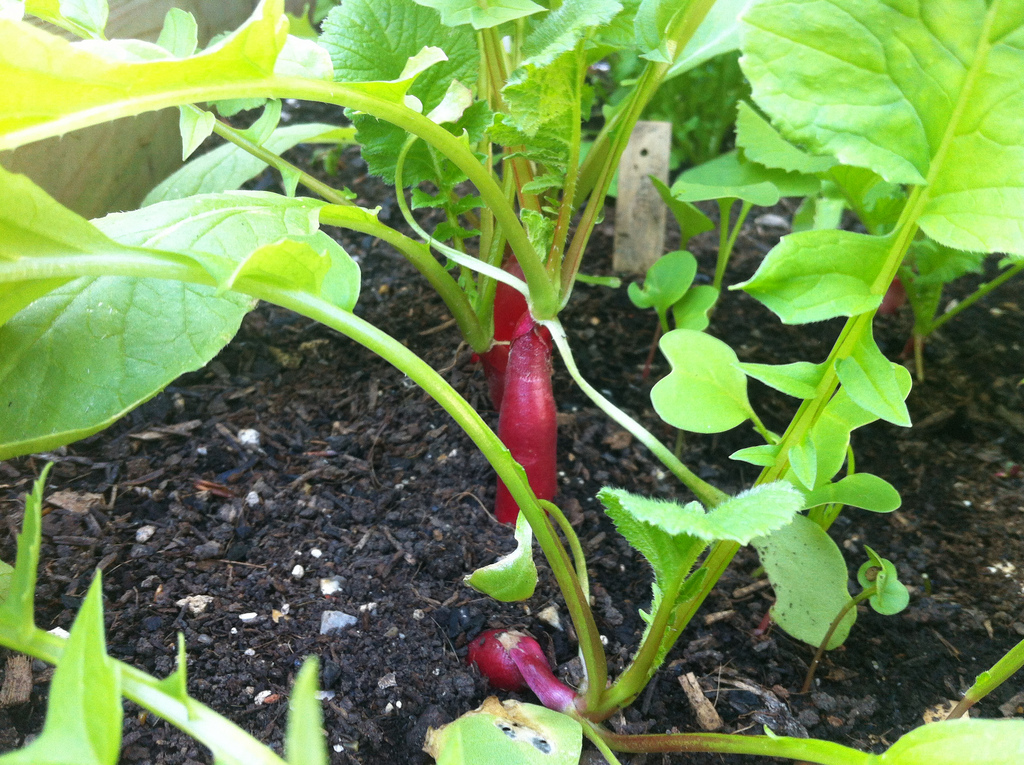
{"points": [[706, 392], [892, 596]]}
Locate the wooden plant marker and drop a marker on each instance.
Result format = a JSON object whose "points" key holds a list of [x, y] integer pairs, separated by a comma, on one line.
{"points": [[639, 211]]}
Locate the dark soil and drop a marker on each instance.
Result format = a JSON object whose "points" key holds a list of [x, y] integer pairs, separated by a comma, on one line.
{"points": [[360, 478]]}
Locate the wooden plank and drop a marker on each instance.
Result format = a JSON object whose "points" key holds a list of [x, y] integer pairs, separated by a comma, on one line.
{"points": [[639, 211]]}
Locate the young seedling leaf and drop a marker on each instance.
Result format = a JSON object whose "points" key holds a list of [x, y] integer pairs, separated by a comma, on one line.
{"points": [[803, 459], [954, 742], [937, 264], [892, 595], [862, 490], [227, 167], [180, 33], [6, 576], [304, 742], [692, 309], [512, 577], [690, 219], [17, 610], [503, 732], [267, 123], [706, 392], [762, 143], [808, 574], [799, 379], [872, 382], [83, 718], [667, 280], [730, 176], [84, 18], [562, 29], [817, 275], [455, 13], [943, 111], [195, 126], [763, 455]]}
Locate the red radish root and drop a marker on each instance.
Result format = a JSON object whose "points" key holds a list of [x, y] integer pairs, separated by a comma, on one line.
{"points": [[509, 307], [514, 661]]}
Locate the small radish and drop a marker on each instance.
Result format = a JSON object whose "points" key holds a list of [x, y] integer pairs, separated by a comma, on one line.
{"points": [[894, 299], [509, 307], [514, 661], [527, 424]]}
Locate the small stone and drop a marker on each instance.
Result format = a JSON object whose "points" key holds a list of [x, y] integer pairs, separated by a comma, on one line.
{"points": [[324, 695], [207, 550], [316, 553], [338, 748], [249, 652], [335, 621], [298, 572], [808, 718], [771, 220], [249, 438], [550, 617], [330, 586], [418, 614], [60, 632], [368, 608], [252, 499], [196, 604], [144, 534], [388, 681], [152, 623], [140, 551], [262, 696], [205, 639], [251, 616], [285, 609]]}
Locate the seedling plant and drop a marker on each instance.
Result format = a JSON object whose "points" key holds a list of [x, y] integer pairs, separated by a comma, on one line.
{"points": [[100, 315]]}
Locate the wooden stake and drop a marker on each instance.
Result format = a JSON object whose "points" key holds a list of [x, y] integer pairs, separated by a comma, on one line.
{"points": [[639, 211]]}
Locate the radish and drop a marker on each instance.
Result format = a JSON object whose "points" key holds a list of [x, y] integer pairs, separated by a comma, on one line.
{"points": [[509, 307], [514, 661], [894, 299], [527, 424]]}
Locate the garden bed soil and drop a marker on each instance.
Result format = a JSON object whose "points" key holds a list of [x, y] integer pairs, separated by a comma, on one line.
{"points": [[360, 479]]}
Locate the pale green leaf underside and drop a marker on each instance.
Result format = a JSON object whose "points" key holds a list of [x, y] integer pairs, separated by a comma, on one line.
{"points": [[481, 15], [808, 574], [717, 34], [512, 577]]}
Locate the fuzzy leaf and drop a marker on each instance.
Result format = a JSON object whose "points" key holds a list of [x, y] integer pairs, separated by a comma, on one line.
{"points": [[512, 577], [817, 275], [862, 490], [304, 741], [808, 574], [455, 13], [562, 29], [706, 392]]}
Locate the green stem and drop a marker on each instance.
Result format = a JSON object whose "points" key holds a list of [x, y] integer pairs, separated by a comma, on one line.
{"points": [[807, 749], [988, 681], [594, 734], [578, 557], [419, 255], [977, 295], [705, 492], [726, 243], [823, 646]]}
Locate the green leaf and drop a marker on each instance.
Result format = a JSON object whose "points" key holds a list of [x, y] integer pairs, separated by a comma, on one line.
{"points": [[876, 202], [304, 741], [61, 87], [455, 13], [303, 58], [562, 29], [954, 742], [818, 275], [799, 379], [195, 126], [938, 264], [85, 18], [83, 718], [176, 683], [180, 33], [227, 167], [862, 490], [706, 391], [730, 176], [764, 455], [512, 577], [808, 574], [691, 311], [892, 596], [762, 143], [6, 576], [690, 219], [870, 380], [653, 18], [667, 280], [17, 611], [718, 33], [501, 733], [941, 108], [803, 459]]}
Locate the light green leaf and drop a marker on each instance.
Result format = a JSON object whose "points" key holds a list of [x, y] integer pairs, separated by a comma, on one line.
{"points": [[264, 127], [803, 459], [653, 18], [17, 610], [808, 574], [817, 275], [195, 126], [730, 176], [562, 29], [941, 108], [85, 18], [862, 490], [824, 211], [512, 577], [706, 392], [227, 167], [690, 219], [937, 264], [718, 33], [6, 575], [954, 742], [799, 379], [62, 88], [763, 455], [892, 595], [762, 143], [83, 718], [667, 280], [870, 380], [176, 683], [455, 13], [304, 741], [691, 311], [505, 732], [180, 33], [876, 202], [304, 58]]}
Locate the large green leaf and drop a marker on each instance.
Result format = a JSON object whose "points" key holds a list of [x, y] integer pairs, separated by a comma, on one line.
{"points": [[955, 742], [928, 93], [718, 33], [455, 13], [762, 143], [808, 574], [706, 391], [817, 275], [83, 718]]}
